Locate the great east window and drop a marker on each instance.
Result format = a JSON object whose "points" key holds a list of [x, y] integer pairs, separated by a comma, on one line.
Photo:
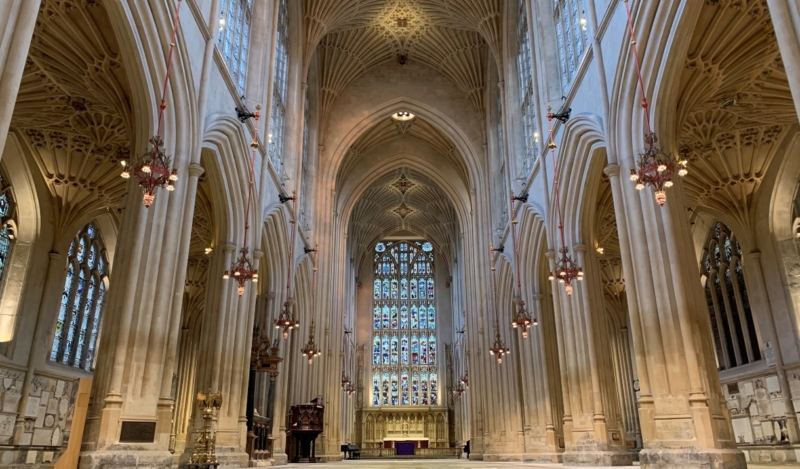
{"points": [[404, 346]]}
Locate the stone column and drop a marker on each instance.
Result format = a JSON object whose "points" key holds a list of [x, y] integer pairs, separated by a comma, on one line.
{"points": [[541, 443], [224, 357], [769, 333], [786, 21], [138, 337], [16, 32], [683, 420], [591, 432]]}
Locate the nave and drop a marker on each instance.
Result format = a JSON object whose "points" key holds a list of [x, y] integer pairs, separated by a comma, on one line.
{"points": [[250, 232]]}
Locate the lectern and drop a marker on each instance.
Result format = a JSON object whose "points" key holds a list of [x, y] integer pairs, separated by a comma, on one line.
{"points": [[304, 424]]}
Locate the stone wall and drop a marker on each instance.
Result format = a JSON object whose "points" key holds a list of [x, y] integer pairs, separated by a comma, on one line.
{"points": [[44, 433]]}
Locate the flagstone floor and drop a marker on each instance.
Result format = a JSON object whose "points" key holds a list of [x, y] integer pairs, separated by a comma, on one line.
{"points": [[464, 464]]}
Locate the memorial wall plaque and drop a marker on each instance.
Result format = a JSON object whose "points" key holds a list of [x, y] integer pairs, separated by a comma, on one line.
{"points": [[137, 432]]}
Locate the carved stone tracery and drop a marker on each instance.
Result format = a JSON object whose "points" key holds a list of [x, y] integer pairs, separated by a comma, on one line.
{"points": [[74, 108], [735, 107]]}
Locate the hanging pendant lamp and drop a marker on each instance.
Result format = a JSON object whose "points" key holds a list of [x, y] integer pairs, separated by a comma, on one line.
{"points": [[653, 168], [522, 318], [310, 349], [153, 169], [286, 320], [566, 271], [498, 349], [242, 268]]}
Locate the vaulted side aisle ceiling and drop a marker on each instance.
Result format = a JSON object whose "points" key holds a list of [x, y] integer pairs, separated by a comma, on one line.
{"points": [[74, 107]]}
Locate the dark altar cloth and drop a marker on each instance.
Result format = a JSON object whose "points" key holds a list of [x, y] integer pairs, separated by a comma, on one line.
{"points": [[405, 448]]}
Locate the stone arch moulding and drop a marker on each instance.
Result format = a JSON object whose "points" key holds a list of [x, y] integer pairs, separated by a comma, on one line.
{"points": [[151, 39], [531, 235], [424, 111], [348, 200], [227, 165], [583, 139], [28, 188]]}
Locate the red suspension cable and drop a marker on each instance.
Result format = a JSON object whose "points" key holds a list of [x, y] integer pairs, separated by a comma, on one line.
{"points": [[169, 66], [552, 146], [638, 67]]}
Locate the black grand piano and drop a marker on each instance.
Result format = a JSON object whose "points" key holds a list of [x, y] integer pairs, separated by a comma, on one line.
{"points": [[351, 450]]}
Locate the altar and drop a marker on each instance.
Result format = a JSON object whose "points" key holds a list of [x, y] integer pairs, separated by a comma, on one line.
{"points": [[407, 430], [405, 446]]}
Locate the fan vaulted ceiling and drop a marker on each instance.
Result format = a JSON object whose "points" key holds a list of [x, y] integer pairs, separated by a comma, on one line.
{"points": [[353, 36], [74, 107], [412, 203]]}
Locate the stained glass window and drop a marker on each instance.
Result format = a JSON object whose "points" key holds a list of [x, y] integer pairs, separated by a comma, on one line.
{"points": [[82, 299], [526, 90], [234, 38], [733, 328], [8, 210], [404, 354], [279, 96], [570, 19]]}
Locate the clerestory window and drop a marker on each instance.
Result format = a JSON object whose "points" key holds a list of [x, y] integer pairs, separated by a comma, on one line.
{"points": [[570, 23], [234, 38]]}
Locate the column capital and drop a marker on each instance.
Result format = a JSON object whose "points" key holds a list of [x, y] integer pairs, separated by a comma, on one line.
{"points": [[258, 254], [538, 297], [581, 248], [229, 248], [612, 170], [195, 170], [550, 254], [55, 255]]}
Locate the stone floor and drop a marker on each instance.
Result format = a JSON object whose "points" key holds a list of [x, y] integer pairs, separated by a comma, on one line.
{"points": [[464, 464]]}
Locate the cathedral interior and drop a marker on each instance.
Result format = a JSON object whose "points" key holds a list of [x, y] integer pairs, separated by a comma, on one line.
{"points": [[535, 233]]}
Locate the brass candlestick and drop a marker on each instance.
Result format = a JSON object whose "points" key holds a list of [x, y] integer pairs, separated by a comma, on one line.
{"points": [[204, 454]]}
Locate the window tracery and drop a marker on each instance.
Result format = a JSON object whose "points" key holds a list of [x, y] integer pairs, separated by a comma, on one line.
{"points": [[733, 328], [571, 35], [280, 72], [234, 38], [404, 358], [80, 313], [8, 212]]}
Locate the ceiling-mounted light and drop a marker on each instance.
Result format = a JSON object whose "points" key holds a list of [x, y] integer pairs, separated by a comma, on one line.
{"points": [[403, 116]]}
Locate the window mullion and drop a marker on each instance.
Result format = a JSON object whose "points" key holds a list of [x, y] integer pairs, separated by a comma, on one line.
{"points": [[90, 320], [62, 347], [731, 323], [723, 333], [748, 341], [81, 313]]}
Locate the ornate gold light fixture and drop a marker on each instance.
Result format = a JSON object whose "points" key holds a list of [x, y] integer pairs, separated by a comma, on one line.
{"points": [[498, 349], [310, 349], [242, 268], [286, 320], [653, 168], [152, 170], [566, 271]]}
